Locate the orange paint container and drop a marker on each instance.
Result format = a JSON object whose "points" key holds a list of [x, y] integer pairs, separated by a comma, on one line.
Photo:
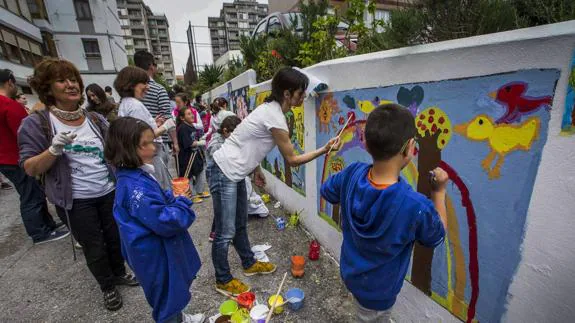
{"points": [[297, 266], [180, 186]]}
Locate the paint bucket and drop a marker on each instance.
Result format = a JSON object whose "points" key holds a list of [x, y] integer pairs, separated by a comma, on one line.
{"points": [[295, 297], [246, 300], [280, 223], [259, 313], [223, 319], [180, 186], [297, 266], [228, 307], [241, 316], [278, 309]]}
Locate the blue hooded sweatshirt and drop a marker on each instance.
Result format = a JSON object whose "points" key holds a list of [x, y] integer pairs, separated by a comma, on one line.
{"points": [[379, 229], [156, 244]]}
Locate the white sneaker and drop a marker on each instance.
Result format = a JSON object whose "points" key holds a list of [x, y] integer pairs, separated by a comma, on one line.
{"points": [[196, 318]]}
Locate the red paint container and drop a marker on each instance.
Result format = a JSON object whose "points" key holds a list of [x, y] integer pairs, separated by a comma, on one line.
{"points": [[246, 300], [314, 249]]}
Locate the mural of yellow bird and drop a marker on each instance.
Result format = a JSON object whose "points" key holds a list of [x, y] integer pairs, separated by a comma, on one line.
{"points": [[502, 138], [366, 106]]}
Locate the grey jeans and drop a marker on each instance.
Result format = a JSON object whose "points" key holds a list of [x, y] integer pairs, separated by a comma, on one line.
{"points": [[364, 315], [161, 172]]}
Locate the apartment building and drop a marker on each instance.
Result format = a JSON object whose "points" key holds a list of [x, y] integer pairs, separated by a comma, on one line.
{"points": [[236, 19], [22, 43], [144, 30]]}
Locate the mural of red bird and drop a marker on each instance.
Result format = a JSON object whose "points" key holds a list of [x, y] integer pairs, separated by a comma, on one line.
{"points": [[511, 95]]}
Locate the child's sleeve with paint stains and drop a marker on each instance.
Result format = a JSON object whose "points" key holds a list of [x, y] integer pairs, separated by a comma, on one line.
{"points": [[430, 231], [331, 189]]}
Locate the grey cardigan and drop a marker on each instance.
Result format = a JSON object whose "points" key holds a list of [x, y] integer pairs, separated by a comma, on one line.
{"points": [[35, 136]]}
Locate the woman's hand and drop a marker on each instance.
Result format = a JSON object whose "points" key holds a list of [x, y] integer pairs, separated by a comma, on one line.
{"points": [[160, 121], [259, 178], [334, 144], [59, 141]]}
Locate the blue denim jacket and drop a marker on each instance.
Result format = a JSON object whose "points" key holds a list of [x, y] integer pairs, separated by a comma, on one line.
{"points": [[34, 138]]}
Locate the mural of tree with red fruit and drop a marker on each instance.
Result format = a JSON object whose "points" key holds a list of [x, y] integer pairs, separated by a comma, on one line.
{"points": [[433, 134]]}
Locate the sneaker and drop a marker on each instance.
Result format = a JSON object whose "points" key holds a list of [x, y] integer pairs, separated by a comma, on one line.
{"points": [[53, 236], [212, 236], [260, 268], [5, 186], [77, 245], [233, 288], [113, 299], [196, 318], [127, 279], [197, 200], [60, 226], [205, 195]]}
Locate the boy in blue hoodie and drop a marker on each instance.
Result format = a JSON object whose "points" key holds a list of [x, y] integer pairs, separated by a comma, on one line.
{"points": [[382, 216], [153, 224]]}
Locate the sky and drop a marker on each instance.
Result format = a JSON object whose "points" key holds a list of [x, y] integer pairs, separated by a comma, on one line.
{"points": [[179, 14]]}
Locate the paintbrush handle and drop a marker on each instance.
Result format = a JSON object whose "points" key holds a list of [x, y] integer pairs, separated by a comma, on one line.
{"points": [[339, 134], [276, 299]]}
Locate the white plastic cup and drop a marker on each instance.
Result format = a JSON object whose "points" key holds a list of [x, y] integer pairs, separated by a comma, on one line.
{"points": [[259, 313]]}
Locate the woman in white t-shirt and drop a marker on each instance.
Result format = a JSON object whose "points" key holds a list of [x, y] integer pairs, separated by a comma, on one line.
{"points": [[239, 156], [132, 84]]}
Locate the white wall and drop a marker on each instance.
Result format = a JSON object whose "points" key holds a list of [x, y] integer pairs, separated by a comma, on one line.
{"points": [[543, 288]]}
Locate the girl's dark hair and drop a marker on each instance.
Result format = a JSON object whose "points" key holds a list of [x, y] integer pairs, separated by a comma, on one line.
{"points": [[181, 114], [230, 123], [184, 98], [218, 104], [128, 78], [123, 140], [287, 79], [105, 106]]}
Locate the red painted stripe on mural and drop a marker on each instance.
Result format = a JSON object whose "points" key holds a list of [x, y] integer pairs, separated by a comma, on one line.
{"points": [[472, 223]]}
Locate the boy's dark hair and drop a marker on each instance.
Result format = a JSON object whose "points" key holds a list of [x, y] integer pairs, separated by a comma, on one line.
{"points": [[144, 59], [108, 89], [287, 79], [387, 129], [123, 140], [127, 80], [218, 104], [230, 123]]}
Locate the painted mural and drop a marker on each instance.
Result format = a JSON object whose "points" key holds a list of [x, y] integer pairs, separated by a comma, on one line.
{"points": [[568, 122], [488, 133], [240, 102], [274, 162]]}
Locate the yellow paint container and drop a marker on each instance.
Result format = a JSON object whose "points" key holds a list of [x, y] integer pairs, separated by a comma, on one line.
{"points": [[279, 309]]}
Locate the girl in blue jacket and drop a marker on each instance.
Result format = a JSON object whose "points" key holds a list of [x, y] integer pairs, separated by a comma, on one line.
{"points": [[153, 223]]}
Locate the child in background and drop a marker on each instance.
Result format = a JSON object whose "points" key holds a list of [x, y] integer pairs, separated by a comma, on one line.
{"points": [[153, 224], [227, 126], [382, 216], [219, 111], [189, 139]]}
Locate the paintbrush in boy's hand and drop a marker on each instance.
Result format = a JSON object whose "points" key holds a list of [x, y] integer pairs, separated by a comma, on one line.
{"points": [[339, 134]]}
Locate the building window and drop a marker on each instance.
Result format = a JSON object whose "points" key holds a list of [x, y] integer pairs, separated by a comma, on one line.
{"points": [[48, 45], [129, 42], [11, 47], [12, 5], [127, 32], [37, 9], [19, 49], [91, 47], [122, 12], [83, 9], [221, 33]]}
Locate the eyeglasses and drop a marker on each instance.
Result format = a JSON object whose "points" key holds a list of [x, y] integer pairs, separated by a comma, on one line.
{"points": [[404, 147]]}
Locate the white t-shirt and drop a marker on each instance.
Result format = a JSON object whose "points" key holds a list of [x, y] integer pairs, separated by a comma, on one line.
{"points": [[250, 142], [90, 176], [132, 107]]}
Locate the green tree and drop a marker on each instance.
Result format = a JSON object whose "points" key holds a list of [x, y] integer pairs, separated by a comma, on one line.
{"points": [[159, 78], [322, 45], [211, 75], [251, 49], [540, 12], [234, 68]]}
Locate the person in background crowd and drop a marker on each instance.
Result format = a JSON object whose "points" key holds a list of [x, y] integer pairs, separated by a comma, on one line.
{"points": [[65, 144], [157, 101], [21, 98], [202, 108], [109, 95], [33, 209], [190, 147], [132, 84], [97, 102], [153, 223]]}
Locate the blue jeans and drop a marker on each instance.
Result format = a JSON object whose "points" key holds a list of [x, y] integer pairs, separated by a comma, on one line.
{"points": [[230, 217], [33, 208]]}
